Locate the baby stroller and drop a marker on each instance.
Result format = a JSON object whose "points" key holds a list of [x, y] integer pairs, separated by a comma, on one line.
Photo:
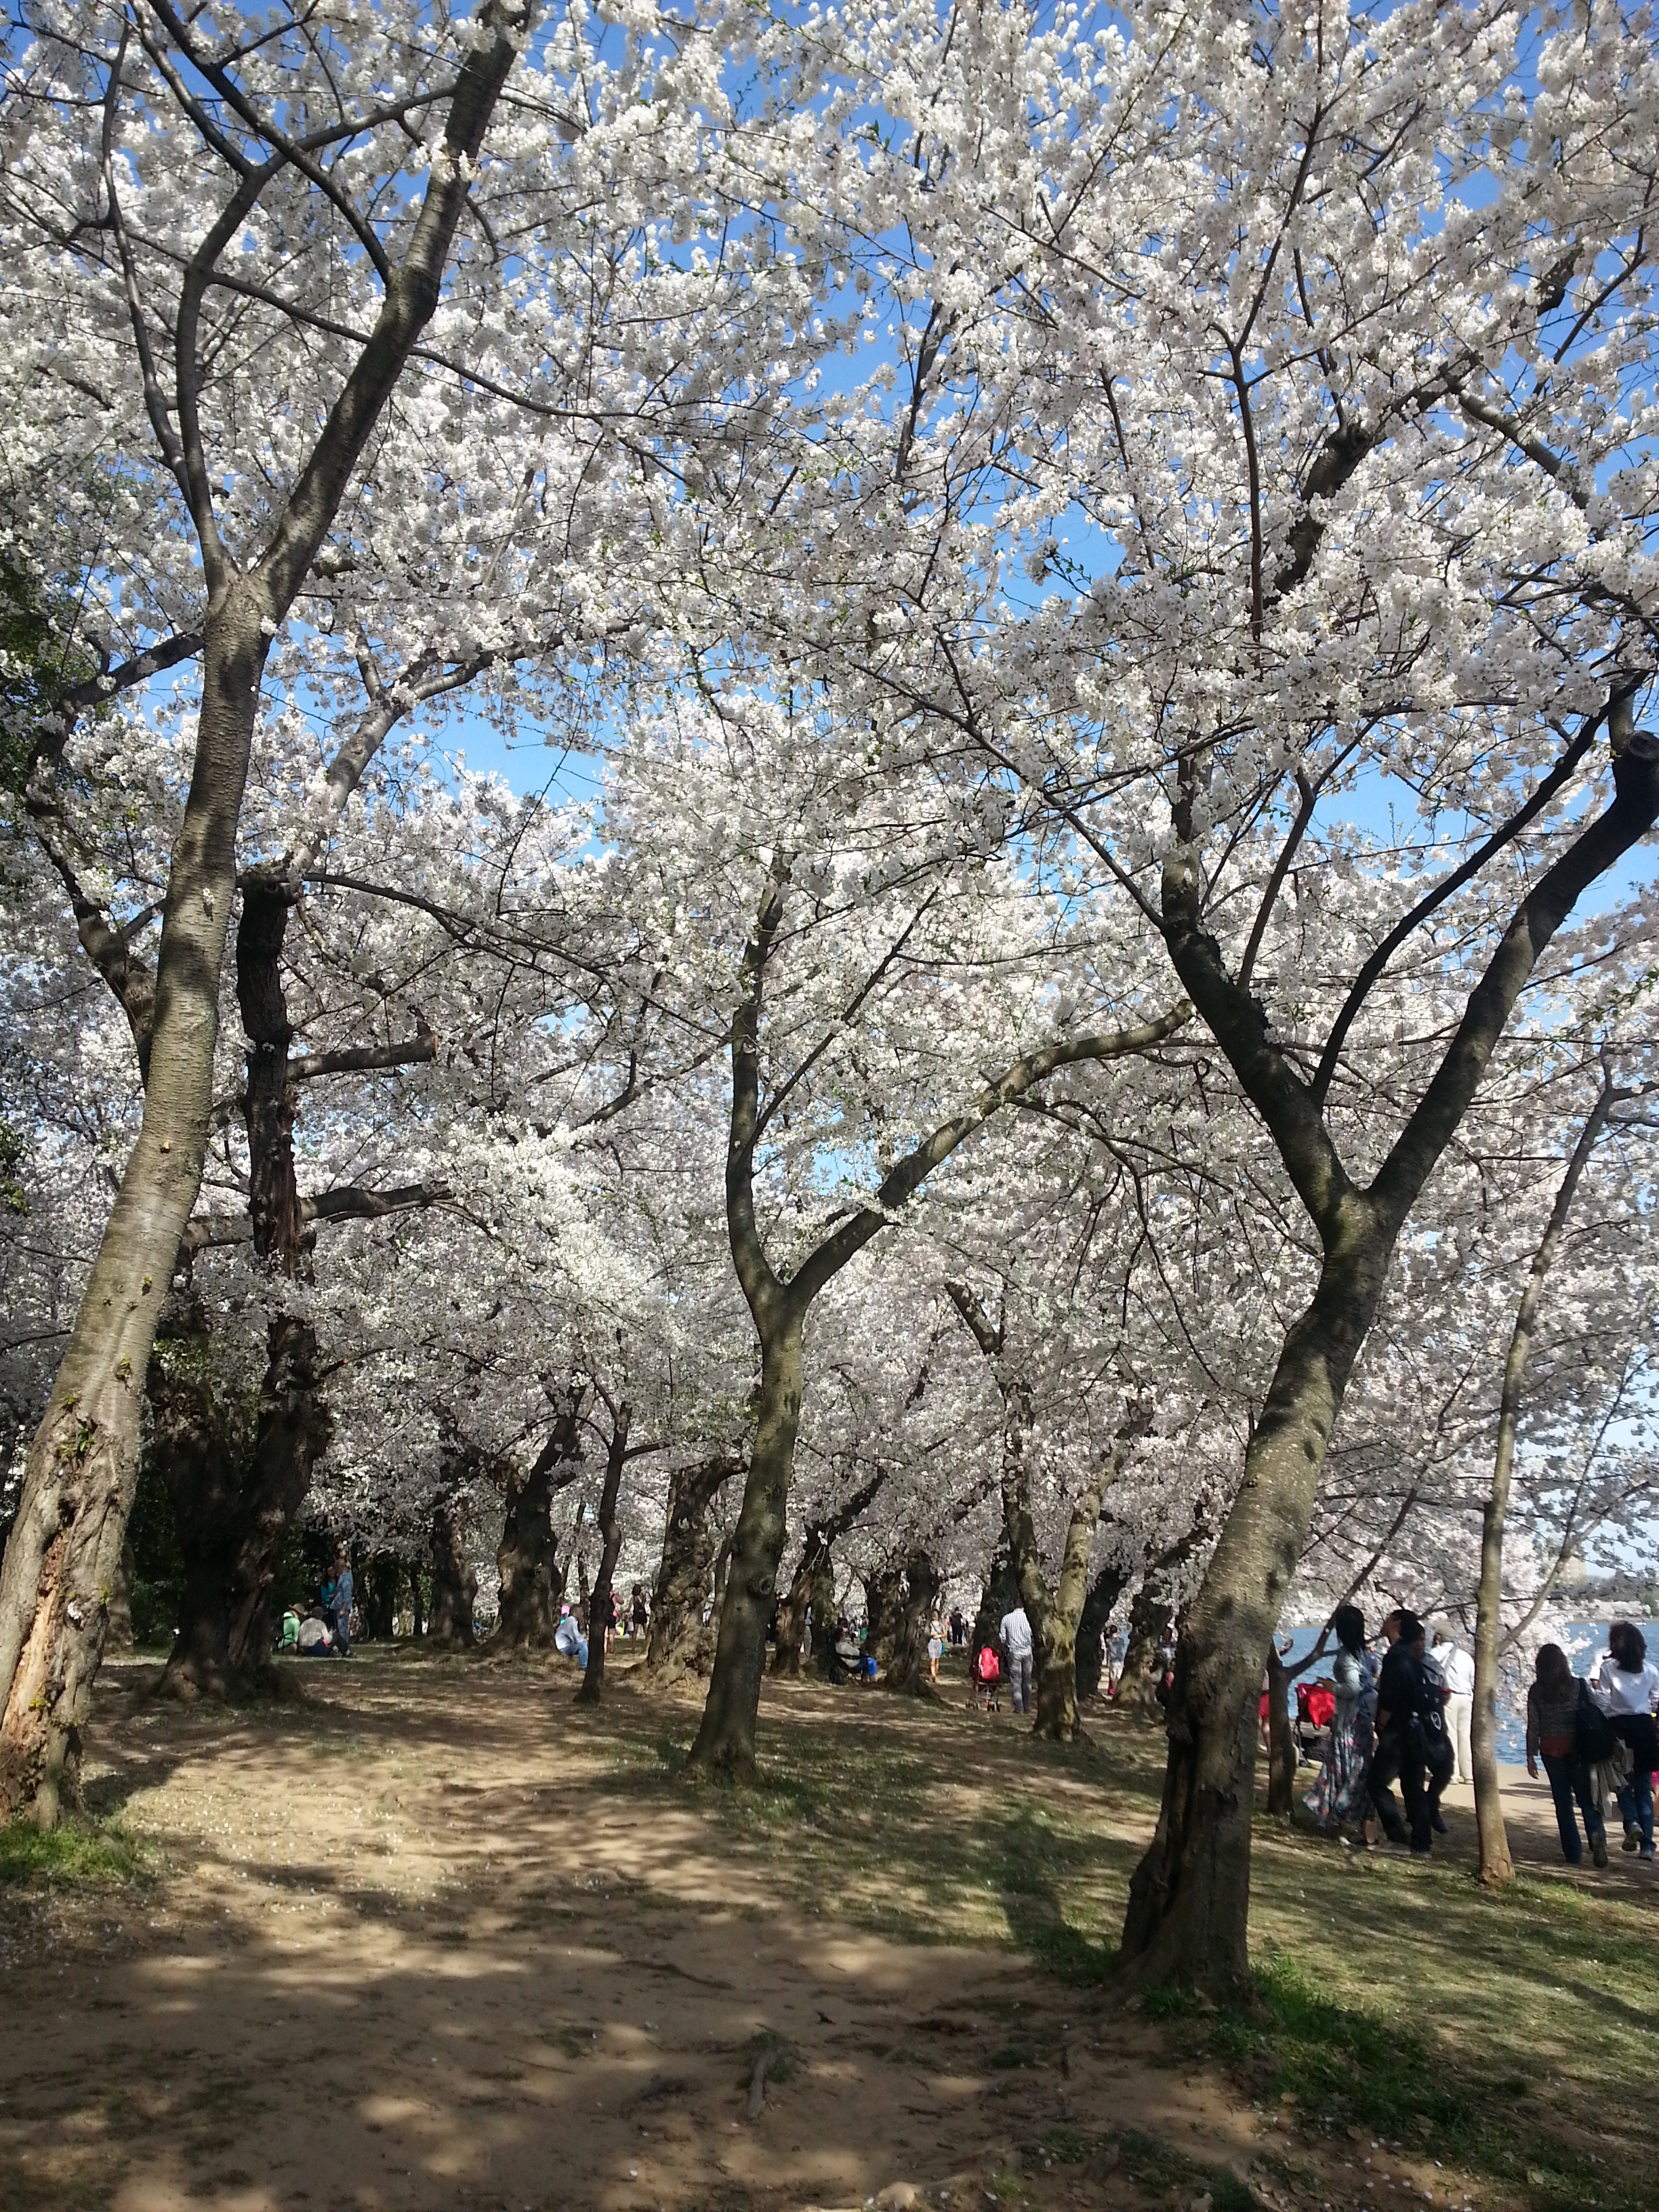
{"points": [[987, 1674], [1315, 1709]]}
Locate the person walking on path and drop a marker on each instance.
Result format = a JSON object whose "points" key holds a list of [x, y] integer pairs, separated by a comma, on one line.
{"points": [[1626, 1686], [935, 1646], [1555, 1735], [1457, 1672], [1411, 1741], [1340, 1798], [1015, 1637]]}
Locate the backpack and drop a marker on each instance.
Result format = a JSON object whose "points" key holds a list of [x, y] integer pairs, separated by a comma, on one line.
{"points": [[1593, 1737]]}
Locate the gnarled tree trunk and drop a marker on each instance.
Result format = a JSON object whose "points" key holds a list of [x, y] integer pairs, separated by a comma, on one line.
{"points": [[529, 1615], [914, 1597], [1104, 1594], [454, 1581], [679, 1641], [235, 1488]]}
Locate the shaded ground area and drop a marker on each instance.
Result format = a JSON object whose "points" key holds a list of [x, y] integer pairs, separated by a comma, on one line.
{"points": [[425, 1937]]}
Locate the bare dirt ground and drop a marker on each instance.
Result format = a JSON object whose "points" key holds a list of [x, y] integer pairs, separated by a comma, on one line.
{"points": [[424, 1936]]}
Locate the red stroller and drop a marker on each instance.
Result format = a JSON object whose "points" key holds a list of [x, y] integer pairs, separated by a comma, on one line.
{"points": [[988, 1671]]}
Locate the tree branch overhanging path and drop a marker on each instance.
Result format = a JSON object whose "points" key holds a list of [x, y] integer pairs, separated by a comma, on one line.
{"points": [[778, 1307]]}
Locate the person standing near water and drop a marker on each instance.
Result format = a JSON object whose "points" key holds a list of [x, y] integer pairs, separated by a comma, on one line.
{"points": [[1552, 1735], [1457, 1672], [1626, 1686]]}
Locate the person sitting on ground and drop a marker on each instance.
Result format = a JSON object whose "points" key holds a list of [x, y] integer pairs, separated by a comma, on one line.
{"points": [[568, 1639], [288, 1634], [1626, 1686], [1015, 1637], [848, 1657], [1553, 1735], [1411, 1741], [315, 1639]]}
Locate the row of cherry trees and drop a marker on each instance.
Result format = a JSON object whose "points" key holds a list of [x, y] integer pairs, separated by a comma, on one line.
{"points": [[1098, 568]]}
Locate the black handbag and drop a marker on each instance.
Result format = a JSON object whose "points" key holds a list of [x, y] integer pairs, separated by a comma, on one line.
{"points": [[1593, 1737]]}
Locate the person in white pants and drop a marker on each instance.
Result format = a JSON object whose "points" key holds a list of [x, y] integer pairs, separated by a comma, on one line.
{"points": [[1457, 1669], [1016, 1635]]}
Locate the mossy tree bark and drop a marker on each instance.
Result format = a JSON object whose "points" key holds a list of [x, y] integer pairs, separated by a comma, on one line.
{"points": [[63, 1556], [1189, 1897], [724, 1742]]}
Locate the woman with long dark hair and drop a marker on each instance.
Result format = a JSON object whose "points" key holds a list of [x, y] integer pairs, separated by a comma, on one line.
{"points": [[1338, 1799], [1626, 1686], [1554, 1735]]}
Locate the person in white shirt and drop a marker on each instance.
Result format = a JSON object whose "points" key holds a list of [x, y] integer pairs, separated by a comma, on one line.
{"points": [[1457, 1672], [1016, 1636], [569, 1640], [1625, 1685]]}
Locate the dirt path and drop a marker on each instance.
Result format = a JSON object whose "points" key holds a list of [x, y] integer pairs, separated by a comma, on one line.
{"points": [[427, 1938], [413, 1951]]}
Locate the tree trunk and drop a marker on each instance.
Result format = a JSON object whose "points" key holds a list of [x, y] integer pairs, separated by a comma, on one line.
{"points": [[64, 1553], [1000, 1595], [616, 1458], [454, 1582], [1496, 1866], [119, 1636], [1104, 1594], [724, 1742], [1189, 1897], [914, 1600], [529, 1615], [235, 1487], [1057, 1632], [679, 1641], [1281, 1736], [63, 1556], [786, 1652], [1152, 1629], [382, 1584]]}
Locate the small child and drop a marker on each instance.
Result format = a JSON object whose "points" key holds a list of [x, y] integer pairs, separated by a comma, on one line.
{"points": [[988, 1669]]}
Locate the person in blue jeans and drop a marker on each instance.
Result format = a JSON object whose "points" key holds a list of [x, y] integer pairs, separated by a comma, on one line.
{"points": [[1626, 1686], [568, 1639], [1553, 1736]]}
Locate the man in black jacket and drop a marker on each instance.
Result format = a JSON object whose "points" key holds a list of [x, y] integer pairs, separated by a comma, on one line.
{"points": [[1412, 1742]]}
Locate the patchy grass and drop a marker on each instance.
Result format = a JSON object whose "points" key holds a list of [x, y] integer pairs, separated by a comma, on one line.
{"points": [[79, 1855]]}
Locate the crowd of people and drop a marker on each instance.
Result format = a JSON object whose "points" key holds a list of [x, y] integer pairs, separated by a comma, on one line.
{"points": [[1403, 1715]]}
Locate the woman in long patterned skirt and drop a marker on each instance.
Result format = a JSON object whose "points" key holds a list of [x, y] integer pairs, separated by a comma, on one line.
{"points": [[1339, 1799]]}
